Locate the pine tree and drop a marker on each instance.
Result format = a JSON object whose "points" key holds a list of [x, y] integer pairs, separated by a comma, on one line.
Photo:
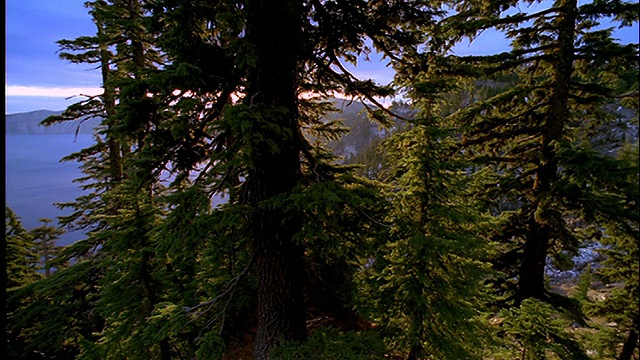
{"points": [[427, 274], [214, 208], [22, 265], [622, 250], [532, 133], [530, 136], [45, 237], [163, 120], [533, 331], [120, 210], [43, 320], [253, 148], [21, 270], [126, 247]]}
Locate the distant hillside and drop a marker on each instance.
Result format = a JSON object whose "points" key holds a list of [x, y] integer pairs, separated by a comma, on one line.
{"points": [[29, 123], [362, 131]]}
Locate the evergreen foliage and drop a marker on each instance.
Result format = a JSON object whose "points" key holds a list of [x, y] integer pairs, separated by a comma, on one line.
{"points": [[426, 277], [533, 331], [622, 250], [531, 133], [218, 221], [562, 73], [45, 237], [22, 265], [45, 314], [332, 344], [54, 317]]}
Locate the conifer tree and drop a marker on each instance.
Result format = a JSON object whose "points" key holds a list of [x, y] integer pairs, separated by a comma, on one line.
{"points": [[119, 211], [532, 138], [22, 265], [45, 237], [622, 250], [532, 133], [211, 211], [253, 148], [163, 120], [40, 322], [427, 275]]}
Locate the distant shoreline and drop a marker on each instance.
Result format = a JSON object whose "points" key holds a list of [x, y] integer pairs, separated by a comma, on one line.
{"points": [[29, 123]]}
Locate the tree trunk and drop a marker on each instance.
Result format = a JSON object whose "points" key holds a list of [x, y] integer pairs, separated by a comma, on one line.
{"points": [[115, 157], [415, 353], [633, 340], [273, 31], [531, 283]]}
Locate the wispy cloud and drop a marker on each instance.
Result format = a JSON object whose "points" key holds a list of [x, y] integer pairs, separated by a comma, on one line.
{"points": [[58, 92]]}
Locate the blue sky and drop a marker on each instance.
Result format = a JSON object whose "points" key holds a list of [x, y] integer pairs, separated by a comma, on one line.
{"points": [[33, 68], [37, 79]]}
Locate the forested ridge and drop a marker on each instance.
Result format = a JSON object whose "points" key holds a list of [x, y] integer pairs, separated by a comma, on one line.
{"points": [[427, 237]]}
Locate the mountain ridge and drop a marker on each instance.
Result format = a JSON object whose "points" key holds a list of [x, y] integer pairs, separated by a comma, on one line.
{"points": [[29, 123]]}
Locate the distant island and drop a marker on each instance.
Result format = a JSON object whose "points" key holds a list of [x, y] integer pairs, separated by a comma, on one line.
{"points": [[29, 123]]}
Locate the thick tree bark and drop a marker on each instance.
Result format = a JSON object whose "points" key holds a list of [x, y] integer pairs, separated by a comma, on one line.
{"points": [[633, 341], [273, 30], [531, 273], [531, 283]]}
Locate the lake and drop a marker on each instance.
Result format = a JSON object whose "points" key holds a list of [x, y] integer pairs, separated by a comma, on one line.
{"points": [[36, 179]]}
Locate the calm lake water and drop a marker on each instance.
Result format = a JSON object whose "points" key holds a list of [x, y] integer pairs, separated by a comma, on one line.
{"points": [[36, 179]]}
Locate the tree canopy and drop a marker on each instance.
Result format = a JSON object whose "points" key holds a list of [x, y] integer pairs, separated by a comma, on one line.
{"points": [[219, 224]]}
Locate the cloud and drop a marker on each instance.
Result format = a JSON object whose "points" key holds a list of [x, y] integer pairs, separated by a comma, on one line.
{"points": [[41, 91]]}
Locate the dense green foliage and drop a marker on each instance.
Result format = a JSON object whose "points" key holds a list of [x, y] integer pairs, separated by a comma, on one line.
{"points": [[533, 133], [622, 250], [45, 237], [219, 224], [22, 266]]}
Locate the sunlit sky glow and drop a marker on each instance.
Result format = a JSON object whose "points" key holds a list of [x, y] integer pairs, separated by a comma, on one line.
{"points": [[37, 79]]}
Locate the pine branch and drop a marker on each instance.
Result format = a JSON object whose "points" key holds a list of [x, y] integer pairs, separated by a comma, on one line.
{"points": [[504, 136], [507, 55], [353, 81], [229, 289]]}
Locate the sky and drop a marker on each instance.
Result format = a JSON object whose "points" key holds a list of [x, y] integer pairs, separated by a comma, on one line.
{"points": [[37, 79]]}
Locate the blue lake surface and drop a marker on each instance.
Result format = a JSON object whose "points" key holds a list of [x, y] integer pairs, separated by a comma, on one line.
{"points": [[36, 179]]}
